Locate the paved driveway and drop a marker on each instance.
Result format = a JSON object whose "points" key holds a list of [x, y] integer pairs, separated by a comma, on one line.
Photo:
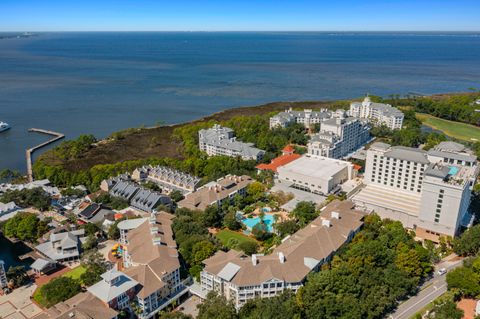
{"points": [[17, 305]]}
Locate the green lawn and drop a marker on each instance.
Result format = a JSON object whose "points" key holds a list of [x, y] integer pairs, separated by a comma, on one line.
{"points": [[75, 273], [225, 234], [456, 130]]}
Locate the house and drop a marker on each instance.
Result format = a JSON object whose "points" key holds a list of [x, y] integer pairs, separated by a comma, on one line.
{"points": [[124, 189], [217, 192], [116, 289], [241, 278], [61, 247], [219, 140], [8, 210]]}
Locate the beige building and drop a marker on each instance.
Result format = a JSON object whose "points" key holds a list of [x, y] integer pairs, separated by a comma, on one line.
{"points": [[316, 174], [241, 278], [151, 258], [217, 192], [428, 191]]}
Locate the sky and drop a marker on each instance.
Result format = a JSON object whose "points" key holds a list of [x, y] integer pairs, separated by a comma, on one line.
{"points": [[240, 15]]}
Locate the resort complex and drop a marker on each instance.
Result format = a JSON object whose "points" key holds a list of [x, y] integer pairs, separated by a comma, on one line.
{"points": [[428, 191], [241, 278], [220, 140], [378, 113], [328, 216]]}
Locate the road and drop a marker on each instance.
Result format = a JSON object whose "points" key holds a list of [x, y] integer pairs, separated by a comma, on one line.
{"points": [[430, 290]]}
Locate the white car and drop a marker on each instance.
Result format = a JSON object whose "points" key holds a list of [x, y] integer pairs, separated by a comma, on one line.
{"points": [[441, 271]]}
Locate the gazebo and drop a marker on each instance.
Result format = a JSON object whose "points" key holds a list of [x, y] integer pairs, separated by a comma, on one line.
{"points": [[43, 266]]}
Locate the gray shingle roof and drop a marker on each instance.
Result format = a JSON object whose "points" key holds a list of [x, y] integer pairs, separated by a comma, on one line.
{"points": [[408, 154]]}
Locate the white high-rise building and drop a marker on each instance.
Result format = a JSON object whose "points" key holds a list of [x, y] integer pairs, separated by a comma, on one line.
{"points": [[427, 191], [339, 136], [3, 275], [306, 117], [377, 113]]}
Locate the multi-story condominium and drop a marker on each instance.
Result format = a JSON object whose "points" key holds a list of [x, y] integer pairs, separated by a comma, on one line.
{"points": [[427, 191], [240, 278], [65, 246], [306, 117], [219, 140], [316, 174], [151, 274], [140, 198], [217, 192], [168, 179], [339, 136], [83, 305], [151, 258], [378, 113]]}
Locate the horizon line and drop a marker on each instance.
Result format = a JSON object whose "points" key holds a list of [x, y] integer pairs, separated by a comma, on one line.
{"points": [[213, 31]]}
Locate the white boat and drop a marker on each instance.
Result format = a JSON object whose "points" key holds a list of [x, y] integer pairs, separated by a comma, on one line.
{"points": [[4, 126]]}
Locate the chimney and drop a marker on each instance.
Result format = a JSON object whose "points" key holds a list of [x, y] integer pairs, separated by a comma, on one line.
{"points": [[254, 259], [336, 215], [326, 223], [281, 257]]}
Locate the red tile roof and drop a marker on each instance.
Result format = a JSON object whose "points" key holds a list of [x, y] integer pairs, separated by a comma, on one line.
{"points": [[288, 149], [279, 161]]}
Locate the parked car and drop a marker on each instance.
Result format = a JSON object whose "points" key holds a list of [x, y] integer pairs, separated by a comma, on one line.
{"points": [[441, 271]]}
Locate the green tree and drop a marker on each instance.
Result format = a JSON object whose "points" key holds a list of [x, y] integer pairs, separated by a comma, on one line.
{"points": [[95, 266], [176, 196], [445, 310], [230, 221], [18, 275], [304, 212], [212, 216], [201, 251], [260, 231], [256, 191], [283, 306], [468, 243], [217, 307], [464, 280], [58, 290], [248, 247], [285, 228]]}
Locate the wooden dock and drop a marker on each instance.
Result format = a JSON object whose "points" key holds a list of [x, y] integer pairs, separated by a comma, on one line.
{"points": [[29, 152]]}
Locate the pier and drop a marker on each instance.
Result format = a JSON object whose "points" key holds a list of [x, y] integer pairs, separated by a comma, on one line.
{"points": [[29, 152]]}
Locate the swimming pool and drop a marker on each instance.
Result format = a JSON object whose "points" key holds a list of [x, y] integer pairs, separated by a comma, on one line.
{"points": [[267, 219], [453, 170]]}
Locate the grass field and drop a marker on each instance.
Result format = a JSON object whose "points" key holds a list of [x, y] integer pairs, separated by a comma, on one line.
{"points": [[75, 273], [453, 129], [225, 235]]}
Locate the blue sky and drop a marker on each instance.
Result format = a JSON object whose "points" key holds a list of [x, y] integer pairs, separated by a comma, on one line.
{"points": [[240, 15]]}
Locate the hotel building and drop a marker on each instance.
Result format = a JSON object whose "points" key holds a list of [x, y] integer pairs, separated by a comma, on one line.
{"points": [[378, 113], [428, 191]]}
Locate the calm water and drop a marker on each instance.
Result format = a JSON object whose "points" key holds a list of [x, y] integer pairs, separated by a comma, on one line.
{"points": [[9, 253], [101, 82]]}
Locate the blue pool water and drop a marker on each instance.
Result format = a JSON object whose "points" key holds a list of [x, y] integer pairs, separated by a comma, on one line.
{"points": [[267, 219], [453, 170]]}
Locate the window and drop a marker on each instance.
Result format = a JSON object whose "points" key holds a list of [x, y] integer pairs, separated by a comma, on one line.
{"points": [[437, 220]]}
